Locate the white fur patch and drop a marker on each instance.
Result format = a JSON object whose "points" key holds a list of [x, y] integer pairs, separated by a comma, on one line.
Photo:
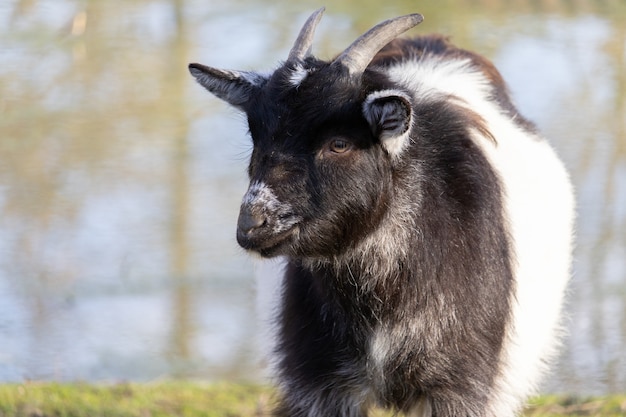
{"points": [[261, 195], [298, 75], [438, 76], [539, 207]]}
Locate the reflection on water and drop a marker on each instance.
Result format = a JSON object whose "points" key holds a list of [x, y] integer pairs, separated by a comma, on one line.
{"points": [[120, 179]]}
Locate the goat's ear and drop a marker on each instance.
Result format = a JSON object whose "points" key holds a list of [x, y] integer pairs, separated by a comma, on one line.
{"points": [[234, 87], [389, 115]]}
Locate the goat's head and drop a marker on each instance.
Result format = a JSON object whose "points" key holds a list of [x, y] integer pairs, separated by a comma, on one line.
{"points": [[325, 136]]}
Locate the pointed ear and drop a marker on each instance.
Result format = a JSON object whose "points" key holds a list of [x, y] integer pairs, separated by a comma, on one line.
{"points": [[234, 87], [390, 117]]}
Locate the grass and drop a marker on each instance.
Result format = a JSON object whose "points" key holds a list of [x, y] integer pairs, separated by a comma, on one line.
{"points": [[181, 399], [563, 406], [194, 399]]}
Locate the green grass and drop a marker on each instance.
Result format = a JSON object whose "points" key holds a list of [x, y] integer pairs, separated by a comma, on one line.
{"points": [[561, 406], [182, 399], [194, 399]]}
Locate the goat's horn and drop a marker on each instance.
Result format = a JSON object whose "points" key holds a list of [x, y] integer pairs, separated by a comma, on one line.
{"points": [[302, 47], [358, 55]]}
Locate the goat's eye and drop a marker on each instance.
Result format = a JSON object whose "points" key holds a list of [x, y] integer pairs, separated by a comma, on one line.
{"points": [[339, 146]]}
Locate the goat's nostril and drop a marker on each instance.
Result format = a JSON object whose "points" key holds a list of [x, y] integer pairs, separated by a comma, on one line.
{"points": [[248, 221]]}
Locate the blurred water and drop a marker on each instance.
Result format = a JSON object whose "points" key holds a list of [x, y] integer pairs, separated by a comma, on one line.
{"points": [[120, 179]]}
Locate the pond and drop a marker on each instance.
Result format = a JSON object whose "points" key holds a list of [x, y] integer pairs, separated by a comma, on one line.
{"points": [[120, 178]]}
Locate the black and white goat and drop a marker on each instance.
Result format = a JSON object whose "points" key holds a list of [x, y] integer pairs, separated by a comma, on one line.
{"points": [[426, 226]]}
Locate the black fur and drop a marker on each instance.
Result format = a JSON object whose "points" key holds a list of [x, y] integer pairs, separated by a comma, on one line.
{"points": [[458, 253]]}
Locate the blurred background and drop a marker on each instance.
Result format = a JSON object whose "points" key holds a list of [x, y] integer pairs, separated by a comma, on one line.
{"points": [[120, 178]]}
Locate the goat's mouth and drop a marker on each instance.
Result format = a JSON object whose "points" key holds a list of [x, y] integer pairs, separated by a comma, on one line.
{"points": [[278, 245], [267, 242]]}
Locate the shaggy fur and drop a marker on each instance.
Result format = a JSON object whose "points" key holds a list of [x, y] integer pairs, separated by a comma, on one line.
{"points": [[426, 227]]}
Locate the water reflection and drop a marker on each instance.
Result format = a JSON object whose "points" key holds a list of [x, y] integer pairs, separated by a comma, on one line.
{"points": [[120, 179]]}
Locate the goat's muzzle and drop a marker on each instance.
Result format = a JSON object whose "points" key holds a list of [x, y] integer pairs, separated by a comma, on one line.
{"points": [[265, 225]]}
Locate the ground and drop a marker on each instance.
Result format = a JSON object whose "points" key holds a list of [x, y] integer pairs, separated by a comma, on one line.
{"points": [[198, 399]]}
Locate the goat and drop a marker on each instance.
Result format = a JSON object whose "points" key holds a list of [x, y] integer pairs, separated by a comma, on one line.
{"points": [[426, 226]]}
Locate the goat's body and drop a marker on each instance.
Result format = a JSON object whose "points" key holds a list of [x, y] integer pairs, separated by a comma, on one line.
{"points": [[451, 307], [426, 225]]}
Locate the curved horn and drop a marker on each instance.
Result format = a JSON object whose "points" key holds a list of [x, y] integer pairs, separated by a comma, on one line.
{"points": [[302, 47], [358, 55]]}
